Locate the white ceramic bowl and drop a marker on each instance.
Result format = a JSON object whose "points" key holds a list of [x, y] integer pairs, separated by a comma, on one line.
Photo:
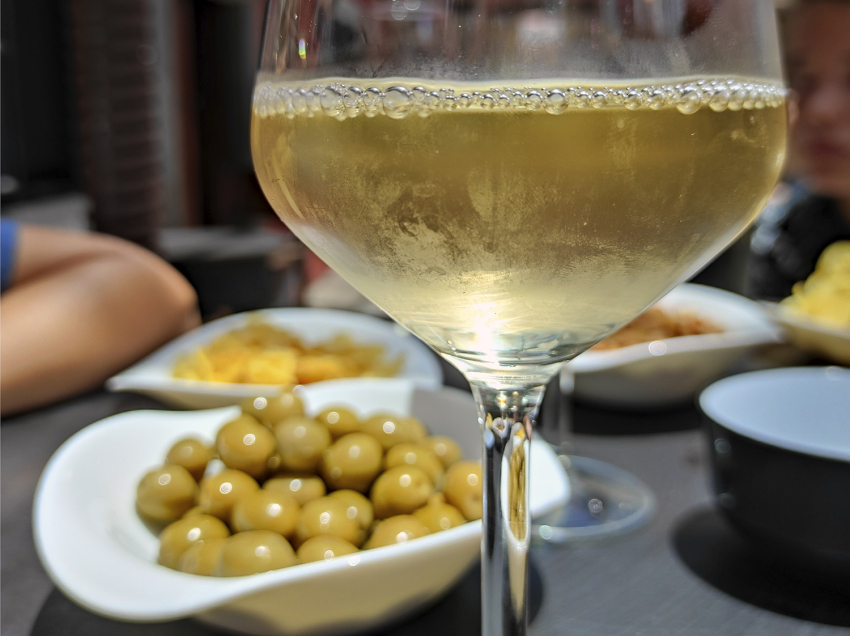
{"points": [[833, 344], [153, 375], [98, 552], [666, 372]]}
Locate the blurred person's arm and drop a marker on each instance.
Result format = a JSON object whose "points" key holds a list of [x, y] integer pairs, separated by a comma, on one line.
{"points": [[80, 308]]}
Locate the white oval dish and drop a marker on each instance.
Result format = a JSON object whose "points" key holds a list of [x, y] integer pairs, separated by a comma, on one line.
{"points": [[670, 371], [98, 551], [153, 375], [805, 410]]}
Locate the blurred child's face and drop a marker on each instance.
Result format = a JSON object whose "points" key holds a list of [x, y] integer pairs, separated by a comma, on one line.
{"points": [[819, 70]]}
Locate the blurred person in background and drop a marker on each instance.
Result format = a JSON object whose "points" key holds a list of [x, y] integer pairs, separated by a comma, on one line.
{"points": [[78, 307], [813, 211]]}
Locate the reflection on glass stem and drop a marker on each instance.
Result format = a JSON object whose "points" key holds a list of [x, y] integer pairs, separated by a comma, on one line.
{"points": [[506, 418]]}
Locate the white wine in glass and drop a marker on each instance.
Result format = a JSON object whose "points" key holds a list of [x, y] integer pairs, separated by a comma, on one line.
{"points": [[516, 232], [510, 196]]}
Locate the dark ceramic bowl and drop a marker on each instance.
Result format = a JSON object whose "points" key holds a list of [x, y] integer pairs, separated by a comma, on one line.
{"points": [[780, 454]]}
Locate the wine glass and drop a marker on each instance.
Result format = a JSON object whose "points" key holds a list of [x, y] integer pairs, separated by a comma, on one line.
{"points": [[513, 180]]}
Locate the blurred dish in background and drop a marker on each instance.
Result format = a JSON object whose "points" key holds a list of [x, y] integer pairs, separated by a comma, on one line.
{"points": [[657, 324], [816, 315], [668, 371], [814, 337], [154, 375]]}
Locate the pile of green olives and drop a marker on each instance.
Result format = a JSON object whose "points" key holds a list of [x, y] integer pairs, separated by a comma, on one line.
{"points": [[296, 489]]}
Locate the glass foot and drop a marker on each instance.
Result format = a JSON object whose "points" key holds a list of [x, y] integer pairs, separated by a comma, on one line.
{"points": [[604, 501]]}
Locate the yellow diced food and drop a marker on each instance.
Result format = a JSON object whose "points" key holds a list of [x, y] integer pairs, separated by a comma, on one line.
{"points": [[260, 353], [318, 368], [272, 367]]}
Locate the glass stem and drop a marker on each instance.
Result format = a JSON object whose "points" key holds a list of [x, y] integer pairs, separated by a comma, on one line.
{"points": [[506, 417]]}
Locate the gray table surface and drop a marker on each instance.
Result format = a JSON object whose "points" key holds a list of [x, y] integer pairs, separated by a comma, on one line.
{"points": [[685, 573]]}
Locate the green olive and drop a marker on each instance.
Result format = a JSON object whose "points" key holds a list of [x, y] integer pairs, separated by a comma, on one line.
{"points": [[181, 535], [265, 510], [445, 448], [166, 493], [390, 430], [220, 492], [358, 505], [396, 530], [244, 444], [400, 491], [418, 428], [439, 516], [327, 516], [303, 486], [191, 454], [202, 557], [301, 442], [256, 407], [270, 411], [463, 488], [254, 551], [194, 510], [407, 454], [353, 462], [324, 546], [339, 421]]}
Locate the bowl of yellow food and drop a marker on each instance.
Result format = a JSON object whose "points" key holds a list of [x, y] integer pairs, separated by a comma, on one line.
{"points": [[685, 341], [256, 353], [816, 316], [153, 515]]}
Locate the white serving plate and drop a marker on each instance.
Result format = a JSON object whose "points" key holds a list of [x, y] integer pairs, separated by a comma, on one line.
{"points": [[666, 372], [152, 376], [833, 344], [99, 553]]}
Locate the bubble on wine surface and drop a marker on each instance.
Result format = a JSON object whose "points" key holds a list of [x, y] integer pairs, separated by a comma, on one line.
{"points": [[690, 100], [556, 102], [397, 102]]}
